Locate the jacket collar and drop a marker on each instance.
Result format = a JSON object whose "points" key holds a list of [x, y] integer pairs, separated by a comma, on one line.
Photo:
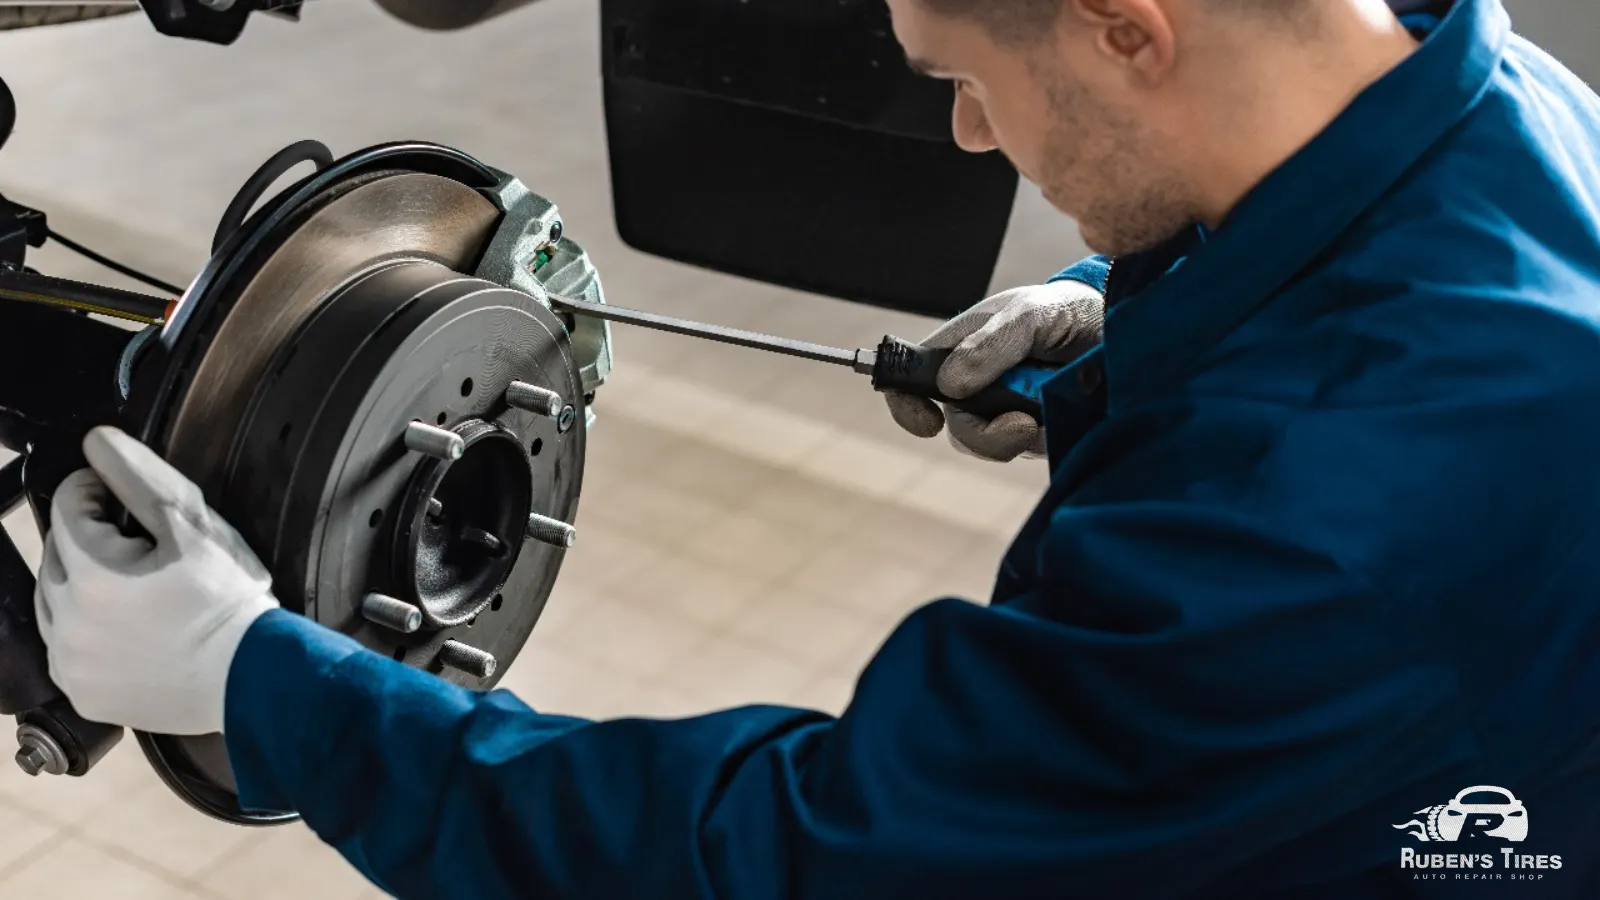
{"points": [[1162, 318]]}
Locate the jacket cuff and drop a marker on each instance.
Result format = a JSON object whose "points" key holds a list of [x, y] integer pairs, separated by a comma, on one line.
{"points": [[1093, 271], [279, 673]]}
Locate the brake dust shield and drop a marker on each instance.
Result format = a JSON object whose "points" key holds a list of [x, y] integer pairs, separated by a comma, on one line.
{"points": [[337, 319]]}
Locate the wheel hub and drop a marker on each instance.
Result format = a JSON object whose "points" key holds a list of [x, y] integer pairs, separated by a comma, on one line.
{"points": [[463, 523], [391, 436]]}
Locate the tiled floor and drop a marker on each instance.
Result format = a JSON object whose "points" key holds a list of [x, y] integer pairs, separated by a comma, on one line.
{"points": [[751, 527]]}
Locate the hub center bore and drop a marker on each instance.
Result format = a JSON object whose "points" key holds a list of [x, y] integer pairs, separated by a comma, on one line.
{"points": [[462, 525]]}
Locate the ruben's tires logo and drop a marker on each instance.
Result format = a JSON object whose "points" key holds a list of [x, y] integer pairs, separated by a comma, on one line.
{"points": [[1479, 821], [1498, 813]]}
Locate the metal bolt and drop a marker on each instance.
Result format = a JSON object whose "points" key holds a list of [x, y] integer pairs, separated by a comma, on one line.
{"points": [[551, 531], [436, 442], [32, 760], [471, 660], [534, 399], [39, 753], [565, 419], [555, 232], [395, 615], [435, 508]]}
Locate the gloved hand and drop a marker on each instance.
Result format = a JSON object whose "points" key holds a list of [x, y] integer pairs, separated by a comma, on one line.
{"points": [[1051, 323], [142, 634]]}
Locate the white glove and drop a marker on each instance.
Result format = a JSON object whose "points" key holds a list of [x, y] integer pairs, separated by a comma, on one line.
{"points": [[143, 634], [1050, 323]]}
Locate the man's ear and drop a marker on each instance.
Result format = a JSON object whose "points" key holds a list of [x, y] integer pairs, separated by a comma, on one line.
{"points": [[1138, 36]]}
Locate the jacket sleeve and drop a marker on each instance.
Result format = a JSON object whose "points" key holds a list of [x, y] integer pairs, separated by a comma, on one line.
{"points": [[1182, 696]]}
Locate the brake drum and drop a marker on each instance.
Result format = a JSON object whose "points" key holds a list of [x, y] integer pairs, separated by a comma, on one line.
{"points": [[338, 319]]}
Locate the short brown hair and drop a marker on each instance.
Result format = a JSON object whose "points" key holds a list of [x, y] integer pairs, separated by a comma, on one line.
{"points": [[1008, 20], [1015, 21]]}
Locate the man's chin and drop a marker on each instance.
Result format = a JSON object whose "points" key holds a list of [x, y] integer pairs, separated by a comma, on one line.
{"points": [[1114, 242], [1100, 241], [1094, 240], [1060, 205]]}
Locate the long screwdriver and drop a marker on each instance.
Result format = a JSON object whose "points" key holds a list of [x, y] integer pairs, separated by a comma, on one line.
{"points": [[896, 365]]}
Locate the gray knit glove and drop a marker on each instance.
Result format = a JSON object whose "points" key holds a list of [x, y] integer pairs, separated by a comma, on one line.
{"points": [[1050, 323]]}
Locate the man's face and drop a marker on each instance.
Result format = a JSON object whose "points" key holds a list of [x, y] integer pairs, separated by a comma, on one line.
{"points": [[1067, 116]]}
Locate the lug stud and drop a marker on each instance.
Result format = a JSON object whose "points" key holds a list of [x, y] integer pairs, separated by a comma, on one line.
{"points": [[435, 442], [470, 660], [480, 538], [551, 531], [395, 615], [534, 399]]}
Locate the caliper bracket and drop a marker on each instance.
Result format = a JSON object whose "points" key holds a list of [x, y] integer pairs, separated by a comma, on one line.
{"points": [[531, 253]]}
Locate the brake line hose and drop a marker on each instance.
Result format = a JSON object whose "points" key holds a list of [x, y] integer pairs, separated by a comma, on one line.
{"points": [[28, 287]]}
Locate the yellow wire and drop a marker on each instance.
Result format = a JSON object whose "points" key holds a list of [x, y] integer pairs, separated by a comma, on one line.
{"points": [[30, 297]]}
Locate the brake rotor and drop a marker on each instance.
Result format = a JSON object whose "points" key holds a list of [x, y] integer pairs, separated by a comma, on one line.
{"points": [[334, 323]]}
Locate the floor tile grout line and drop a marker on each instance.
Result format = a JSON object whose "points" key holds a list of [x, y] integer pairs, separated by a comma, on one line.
{"points": [[830, 537], [45, 846], [712, 632], [688, 427], [191, 883], [68, 832], [782, 576], [75, 829]]}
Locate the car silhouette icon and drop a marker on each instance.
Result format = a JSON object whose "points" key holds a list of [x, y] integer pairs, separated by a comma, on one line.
{"points": [[1504, 818]]}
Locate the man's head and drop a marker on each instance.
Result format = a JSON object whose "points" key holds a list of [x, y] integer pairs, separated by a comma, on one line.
{"points": [[1141, 117]]}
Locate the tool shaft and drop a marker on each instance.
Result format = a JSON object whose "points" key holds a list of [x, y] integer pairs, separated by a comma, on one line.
{"points": [[897, 366], [752, 339]]}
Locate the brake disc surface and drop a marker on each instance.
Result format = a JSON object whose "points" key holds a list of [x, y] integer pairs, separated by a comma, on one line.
{"points": [[344, 325]]}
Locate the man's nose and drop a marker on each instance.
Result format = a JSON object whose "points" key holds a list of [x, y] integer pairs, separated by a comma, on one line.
{"points": [[970, 125]]}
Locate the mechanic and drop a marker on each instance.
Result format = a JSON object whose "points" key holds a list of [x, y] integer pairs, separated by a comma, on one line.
{"points": [[1321, 547]]}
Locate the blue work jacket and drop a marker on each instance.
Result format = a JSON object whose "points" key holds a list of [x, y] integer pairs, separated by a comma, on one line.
{"points": [[1321, 552]]}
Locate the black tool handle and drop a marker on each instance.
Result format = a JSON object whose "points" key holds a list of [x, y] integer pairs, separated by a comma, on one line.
{"points": [[908, 368]]}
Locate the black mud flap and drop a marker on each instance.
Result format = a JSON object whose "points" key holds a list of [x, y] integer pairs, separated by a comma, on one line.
{"points": [[786, 141]]}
